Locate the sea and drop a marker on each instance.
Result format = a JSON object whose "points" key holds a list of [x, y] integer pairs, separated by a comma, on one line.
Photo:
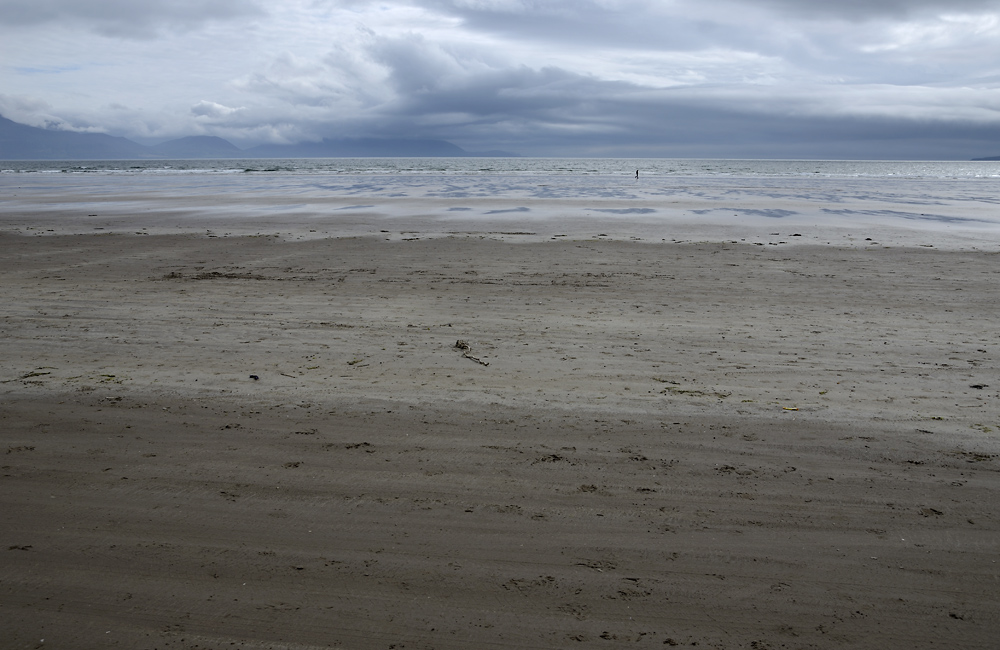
{"points": [[638, 198], [655, 167]]}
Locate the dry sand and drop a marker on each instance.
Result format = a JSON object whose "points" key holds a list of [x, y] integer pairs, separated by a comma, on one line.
{"points": [[728, 446]]}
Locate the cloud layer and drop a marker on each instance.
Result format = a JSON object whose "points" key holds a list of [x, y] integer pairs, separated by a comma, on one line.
{"points": [[730, 78], [123, 18]]}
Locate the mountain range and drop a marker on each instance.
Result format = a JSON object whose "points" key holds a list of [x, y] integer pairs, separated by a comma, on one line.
{"points": [[23, 142]]}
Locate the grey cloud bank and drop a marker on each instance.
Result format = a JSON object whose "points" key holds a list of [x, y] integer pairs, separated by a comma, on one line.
{"points": [[717, 78]]}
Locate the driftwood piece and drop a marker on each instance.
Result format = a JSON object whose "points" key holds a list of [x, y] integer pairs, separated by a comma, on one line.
{"points": [[467, 352]]}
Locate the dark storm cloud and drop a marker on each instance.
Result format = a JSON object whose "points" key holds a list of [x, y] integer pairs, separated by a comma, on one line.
{"points": [[556, 111], [413, 85], [549, 95], [123, 18]]}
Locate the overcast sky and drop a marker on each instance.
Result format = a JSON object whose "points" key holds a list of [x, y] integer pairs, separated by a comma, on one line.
{"points": [[686, 78]]}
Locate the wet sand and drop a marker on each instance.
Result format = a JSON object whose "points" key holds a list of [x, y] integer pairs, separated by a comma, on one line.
{"points": [[721, 444]]}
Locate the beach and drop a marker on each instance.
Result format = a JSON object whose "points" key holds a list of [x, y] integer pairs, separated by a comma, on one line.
{"points": [[409, 432]]}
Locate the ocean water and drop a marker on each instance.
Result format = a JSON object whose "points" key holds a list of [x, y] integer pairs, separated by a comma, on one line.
{"points": [[522, 166], [958, 202]]}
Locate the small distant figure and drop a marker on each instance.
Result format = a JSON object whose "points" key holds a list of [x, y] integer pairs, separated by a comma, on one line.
{"points": [[637, 174]]}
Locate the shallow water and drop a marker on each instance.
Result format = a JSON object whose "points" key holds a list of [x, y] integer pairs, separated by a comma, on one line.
{"points": [[335, 197]]}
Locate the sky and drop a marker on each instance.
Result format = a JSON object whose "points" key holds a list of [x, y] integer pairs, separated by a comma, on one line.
{"points": [[838, 79]]}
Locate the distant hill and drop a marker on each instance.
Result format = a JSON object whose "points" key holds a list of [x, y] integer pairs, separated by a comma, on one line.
{"points": [[982, 159], [23, 142]]}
